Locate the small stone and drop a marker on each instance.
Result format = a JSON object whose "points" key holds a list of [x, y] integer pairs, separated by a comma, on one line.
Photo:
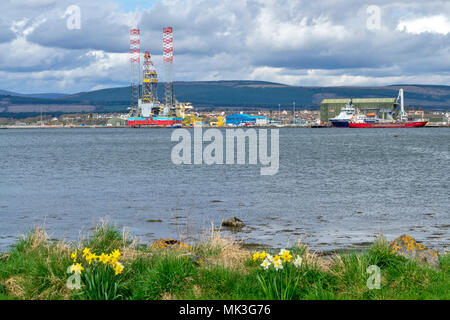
{"points": [[233, 223], [408, 247]]}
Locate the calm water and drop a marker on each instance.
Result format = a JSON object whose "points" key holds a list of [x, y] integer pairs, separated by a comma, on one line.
{"points": [[336, 188]]}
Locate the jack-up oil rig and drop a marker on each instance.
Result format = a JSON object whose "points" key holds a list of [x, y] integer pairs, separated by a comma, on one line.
{"points": [[145, 108]]}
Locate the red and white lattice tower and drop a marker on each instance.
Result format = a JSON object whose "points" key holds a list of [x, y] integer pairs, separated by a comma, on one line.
{"points": [[168, 66], [135, 61]]}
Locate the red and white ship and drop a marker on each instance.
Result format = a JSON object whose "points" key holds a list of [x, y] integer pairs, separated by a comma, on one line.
{"points": [[370, 120]]}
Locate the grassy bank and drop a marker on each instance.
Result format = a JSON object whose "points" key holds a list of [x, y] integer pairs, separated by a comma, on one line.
{"points": [[217, 268]]}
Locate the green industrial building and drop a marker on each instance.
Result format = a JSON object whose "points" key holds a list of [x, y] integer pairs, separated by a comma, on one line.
{"points": [[329, 108], [116, 122]]}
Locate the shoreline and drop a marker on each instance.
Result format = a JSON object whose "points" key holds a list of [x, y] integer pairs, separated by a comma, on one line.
{"points": [[229, 234], [205, 127]]}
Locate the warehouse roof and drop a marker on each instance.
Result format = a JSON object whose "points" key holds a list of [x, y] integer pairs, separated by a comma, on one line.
{"points": [[367, 100], [243, 116]]}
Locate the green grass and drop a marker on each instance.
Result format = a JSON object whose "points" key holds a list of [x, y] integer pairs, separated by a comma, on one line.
{"points": [[221, 283], [165, 273], [105, 238], [36, 268]]}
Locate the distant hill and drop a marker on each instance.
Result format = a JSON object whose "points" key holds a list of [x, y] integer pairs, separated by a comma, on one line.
{"points": [[33, 95], [248, 94], [268, 94], [46, 95]]}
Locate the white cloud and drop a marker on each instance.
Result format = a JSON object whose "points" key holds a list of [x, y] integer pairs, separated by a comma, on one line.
{"points": [[296, 42], [277, 34], [271, 74], [318, 77], [439, 24], [25, 27]]}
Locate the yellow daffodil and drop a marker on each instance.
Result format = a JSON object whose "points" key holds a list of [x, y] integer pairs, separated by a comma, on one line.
{"points": [[90, 257], [86, 252], [115, 254], [260, 256], [263, 255], [104, 258], [276, 258], [118, 268], [113, 261], [286, 256], [74, 256], [76, 268]]}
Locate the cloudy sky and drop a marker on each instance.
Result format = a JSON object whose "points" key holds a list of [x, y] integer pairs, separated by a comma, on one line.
{"points": [[296, 42]]}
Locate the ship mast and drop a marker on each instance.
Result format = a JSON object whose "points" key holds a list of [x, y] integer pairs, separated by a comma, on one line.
{"points": [[403, 115]]}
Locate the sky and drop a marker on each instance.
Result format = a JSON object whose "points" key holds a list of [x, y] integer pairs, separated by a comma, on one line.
{"points": [[69, 46]]}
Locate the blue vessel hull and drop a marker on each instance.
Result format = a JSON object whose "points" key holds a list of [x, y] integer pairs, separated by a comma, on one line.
{"points": [[342, 123]]}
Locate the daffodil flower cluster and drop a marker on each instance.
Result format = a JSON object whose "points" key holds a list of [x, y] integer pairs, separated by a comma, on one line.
{"points": [[76, 268], [111, 259], [284, 256]]}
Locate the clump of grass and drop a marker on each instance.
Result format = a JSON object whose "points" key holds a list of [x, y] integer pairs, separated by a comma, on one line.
{"points": [[223, 251], [317, 285], [165, 273], [36, 268], [380, 254], [445, 263], [350, 272], [299, 248], [220, 282], [106, 238]]}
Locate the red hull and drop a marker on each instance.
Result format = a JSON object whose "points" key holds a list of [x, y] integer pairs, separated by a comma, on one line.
{"points": [[388, 125]]}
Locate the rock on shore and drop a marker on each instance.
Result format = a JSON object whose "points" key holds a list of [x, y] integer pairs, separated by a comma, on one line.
{"points": [[408, 247]]}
